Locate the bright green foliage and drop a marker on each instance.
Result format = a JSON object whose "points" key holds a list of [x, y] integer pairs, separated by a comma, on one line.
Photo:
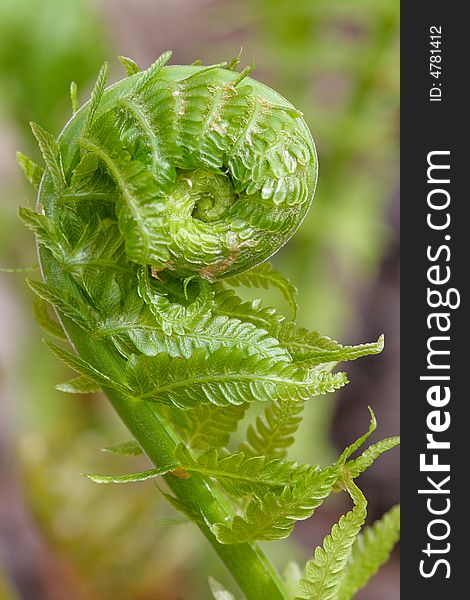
{"points": [[83, 368], [50, 152], [358, 466], [133, 477], [370, 551], [129, 65], [32, 171], [238, 475], [208, 426], [323, 574], [273, 432], [309, 348], [273, 515], [264, 276], [161, 193], [225, 377], [43, 318], [241, 476], [129, 448], [97, 94]]}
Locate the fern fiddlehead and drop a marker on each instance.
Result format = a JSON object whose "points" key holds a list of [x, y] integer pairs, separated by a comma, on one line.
{"points": [[159, 190]]}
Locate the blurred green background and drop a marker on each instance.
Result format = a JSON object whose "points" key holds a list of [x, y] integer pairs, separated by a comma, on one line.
{"points": [[62, 537]]}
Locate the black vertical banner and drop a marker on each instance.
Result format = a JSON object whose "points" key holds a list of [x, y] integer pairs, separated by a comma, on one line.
{"points": [[435, 331]]}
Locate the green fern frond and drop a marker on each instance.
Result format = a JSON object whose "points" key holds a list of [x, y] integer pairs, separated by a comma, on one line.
{"points": [[370, 551], [129, 448], [152, 71], [225, 377], [363, 462], [31, 170], [210, 333], [310, 348], [229, 304], [129, 65], [273, 432], [51, 154], [47, 233], [65, 303], [175, 317], [97, 94], [83, 368], [349, 450], [42, 318], [324, 574], [273, 515], [132, 477], [164, 189], [239, 475], [207, 426], [264, 276]]}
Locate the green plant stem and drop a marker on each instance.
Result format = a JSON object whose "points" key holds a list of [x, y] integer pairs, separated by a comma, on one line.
{"points": [[249, 566]]}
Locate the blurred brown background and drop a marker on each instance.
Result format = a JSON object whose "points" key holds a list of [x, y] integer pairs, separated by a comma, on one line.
{"points": [[63, 538]]}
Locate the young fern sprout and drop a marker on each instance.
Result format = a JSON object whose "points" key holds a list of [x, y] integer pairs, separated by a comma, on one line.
{"points": [[162, 193]]}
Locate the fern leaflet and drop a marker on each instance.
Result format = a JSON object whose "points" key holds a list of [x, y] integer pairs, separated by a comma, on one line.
{"points": [[370, 551], [323, 574]]}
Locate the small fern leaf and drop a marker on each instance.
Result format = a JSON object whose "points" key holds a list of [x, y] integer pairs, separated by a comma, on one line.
{"points": [[132, 477], [207, 426], [44, 320], [129, 65], [311, 349], [264, 276], [83, 368], [224, 378], [32, 171], [97, 94], [218, 591], [62, 302], [273, 515], [240, 476], [347, 452], [152, 71], [51, 154], [363, 462], [129, 448], [79, 385], [273, 432], [47, 233], [229, 304], [211, 333], [370, 551], [324, 574]]}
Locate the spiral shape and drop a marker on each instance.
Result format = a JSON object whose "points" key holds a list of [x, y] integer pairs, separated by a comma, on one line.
{"points": [[208, 171]]}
